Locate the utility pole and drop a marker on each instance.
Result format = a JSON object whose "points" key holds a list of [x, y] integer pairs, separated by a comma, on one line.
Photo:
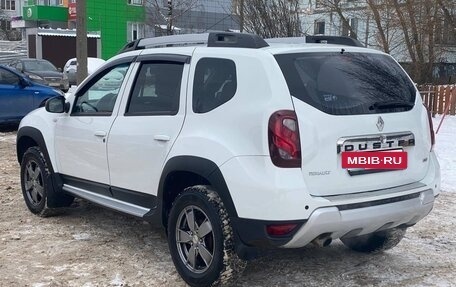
{"points": [[169, 26], [366, 43], [81, 40], [241, 15]]}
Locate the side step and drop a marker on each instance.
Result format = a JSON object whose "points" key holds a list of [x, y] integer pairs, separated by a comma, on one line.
{"points": [[106, 201]]}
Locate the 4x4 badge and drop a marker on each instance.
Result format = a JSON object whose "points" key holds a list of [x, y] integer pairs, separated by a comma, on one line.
{"points": [[380, 124]]}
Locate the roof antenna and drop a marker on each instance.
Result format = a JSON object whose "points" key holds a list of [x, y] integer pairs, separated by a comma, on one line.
{"points": [[342, 51]]}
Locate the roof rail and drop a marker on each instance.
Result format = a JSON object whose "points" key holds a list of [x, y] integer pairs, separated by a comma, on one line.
{"points": [[340, 40], [213, 39], [318, 39], [130, 46], [236, 40]]}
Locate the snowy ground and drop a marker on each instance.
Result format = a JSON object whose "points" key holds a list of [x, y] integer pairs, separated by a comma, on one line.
{"points": [[445, 148], [92, 246]]}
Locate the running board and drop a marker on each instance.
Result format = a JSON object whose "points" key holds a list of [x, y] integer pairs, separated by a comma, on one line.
{"points": [[106, 201]]}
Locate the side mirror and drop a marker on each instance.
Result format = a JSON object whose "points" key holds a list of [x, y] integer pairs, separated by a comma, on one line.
{"points": [[56, 105], [23, 82], [59, 69]]}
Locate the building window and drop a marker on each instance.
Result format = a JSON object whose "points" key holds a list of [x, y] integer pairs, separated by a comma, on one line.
{"points": [[319, 28], [353, 32], [135, 31], [443, 33], [5, 25], [49, 2], [135, 2], [8, 5]]}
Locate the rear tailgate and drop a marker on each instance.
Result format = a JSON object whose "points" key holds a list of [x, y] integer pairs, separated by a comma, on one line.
{"points": [[321, 158], [355, 101]]}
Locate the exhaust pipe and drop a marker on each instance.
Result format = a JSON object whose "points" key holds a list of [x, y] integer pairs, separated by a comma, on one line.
{"points": [[322, 240]]}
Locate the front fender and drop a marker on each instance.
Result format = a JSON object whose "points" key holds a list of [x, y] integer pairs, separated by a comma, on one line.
{"points": [[38, 126]]}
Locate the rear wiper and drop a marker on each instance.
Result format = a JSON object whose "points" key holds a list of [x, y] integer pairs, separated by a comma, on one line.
{"points": [[389, 105]]}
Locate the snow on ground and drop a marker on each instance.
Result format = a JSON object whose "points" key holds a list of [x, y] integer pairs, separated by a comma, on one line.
{"points": [[445, 148]]}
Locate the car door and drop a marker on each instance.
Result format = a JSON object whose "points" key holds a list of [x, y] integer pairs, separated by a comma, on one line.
{"points": [[15, 100], [80, 136], [149, 122]]}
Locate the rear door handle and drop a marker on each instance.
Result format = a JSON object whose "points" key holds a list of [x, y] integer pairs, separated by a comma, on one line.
{"points": [[161, 138], [100, 134]]}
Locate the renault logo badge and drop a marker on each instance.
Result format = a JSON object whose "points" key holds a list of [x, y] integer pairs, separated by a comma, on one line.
{"points": [[380, 124]]}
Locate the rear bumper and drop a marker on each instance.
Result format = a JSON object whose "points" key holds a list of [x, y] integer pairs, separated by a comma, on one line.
{"points": [[265, 195], [336, 222], [261, 191]]}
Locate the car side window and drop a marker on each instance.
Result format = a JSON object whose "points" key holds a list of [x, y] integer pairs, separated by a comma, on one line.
{"points": [[99, 96], [156, 89], [215, 84], [8, 78]]}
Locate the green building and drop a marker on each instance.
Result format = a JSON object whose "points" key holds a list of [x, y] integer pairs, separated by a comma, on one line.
{"points": [[116, 21]]}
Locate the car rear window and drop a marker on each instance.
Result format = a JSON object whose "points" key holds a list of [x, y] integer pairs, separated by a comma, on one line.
{"points": [[343, 83]]}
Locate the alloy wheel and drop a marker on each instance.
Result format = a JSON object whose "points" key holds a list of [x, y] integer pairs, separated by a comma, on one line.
{"points": [[195, 239], [33, 183]]}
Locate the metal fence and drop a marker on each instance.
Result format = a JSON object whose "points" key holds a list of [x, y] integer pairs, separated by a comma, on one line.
{"points": [[439, 98], [12, 50]]}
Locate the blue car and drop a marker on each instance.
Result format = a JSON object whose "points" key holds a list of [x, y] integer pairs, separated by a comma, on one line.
{"points": [[19, 95]]}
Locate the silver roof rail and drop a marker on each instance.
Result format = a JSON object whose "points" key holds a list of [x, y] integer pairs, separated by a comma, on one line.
{"points": [[212, 39], [175, 40], [316, 39], [286, 40]]}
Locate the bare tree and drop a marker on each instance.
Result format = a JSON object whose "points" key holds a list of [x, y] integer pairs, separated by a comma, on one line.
{"points": [[414, 28], [168, 14], [447, 7], [270, 18], [344, 12], [417, 20], [3, 31], [387, 35]]}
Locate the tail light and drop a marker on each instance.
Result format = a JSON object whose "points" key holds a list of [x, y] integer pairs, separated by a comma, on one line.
{"points": [[284, 141], [431, 127]]}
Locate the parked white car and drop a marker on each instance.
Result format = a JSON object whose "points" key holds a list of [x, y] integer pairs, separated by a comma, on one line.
{"points": [[70, 67], [240, 145]]}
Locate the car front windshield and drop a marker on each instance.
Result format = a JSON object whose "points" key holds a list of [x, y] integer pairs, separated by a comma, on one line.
{"points": [[39, 66]]}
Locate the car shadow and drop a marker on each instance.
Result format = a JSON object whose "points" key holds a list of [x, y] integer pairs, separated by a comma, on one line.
{"points": [[5, 128]]}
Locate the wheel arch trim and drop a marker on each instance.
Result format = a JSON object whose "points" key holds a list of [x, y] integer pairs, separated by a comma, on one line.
{"points": [[199, 166], [37, 137]]}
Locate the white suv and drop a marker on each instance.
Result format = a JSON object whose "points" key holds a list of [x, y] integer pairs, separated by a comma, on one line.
{"points": [[234, 145]]}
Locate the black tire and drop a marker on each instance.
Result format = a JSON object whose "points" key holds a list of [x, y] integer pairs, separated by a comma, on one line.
{"points": [[202, 204], [37, 187], [375, 242]]}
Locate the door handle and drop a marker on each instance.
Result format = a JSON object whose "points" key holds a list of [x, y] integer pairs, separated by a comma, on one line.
{"points": [[161, 138], [100, 134]]}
